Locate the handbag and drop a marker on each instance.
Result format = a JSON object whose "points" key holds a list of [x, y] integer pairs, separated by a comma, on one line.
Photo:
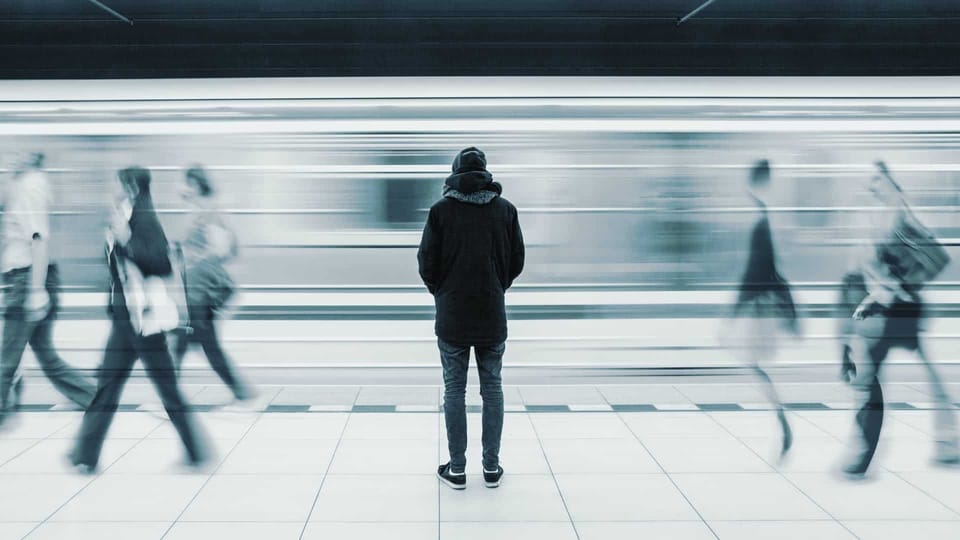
{"points": [[912, 252], [152, 310], [209, 285]]}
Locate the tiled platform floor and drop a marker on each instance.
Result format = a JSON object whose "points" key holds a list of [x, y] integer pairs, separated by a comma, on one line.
{"points": [[368, 475]]}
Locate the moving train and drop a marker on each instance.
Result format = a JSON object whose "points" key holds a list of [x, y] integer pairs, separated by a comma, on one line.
{"points": [[631, 193]]}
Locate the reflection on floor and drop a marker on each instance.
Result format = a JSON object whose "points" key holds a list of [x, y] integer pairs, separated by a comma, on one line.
{"points": [[598, 475]]}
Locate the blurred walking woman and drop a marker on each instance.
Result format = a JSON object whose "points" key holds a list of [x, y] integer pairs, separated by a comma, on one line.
{"points": [[138, 254], [764, 307], [208, 245], [894, 266]]}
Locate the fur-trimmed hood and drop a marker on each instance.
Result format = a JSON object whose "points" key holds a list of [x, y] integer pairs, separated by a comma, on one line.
{"points": [[470, 181]]}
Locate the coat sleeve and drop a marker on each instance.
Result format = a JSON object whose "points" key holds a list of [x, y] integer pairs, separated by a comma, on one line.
{"points": [[517, 250], [428, 256]]}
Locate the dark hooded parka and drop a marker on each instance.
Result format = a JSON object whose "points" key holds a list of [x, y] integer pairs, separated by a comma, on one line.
{"points": [[471, 251]]}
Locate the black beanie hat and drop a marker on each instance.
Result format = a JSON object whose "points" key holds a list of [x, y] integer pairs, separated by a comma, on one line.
{"points": [[470, 159]]}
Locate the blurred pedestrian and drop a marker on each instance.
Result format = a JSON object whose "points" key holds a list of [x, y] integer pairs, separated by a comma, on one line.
{"points": [[207, 247], [32, 297], [764, 310], [900, 257], [471, 252], [141, 312]]}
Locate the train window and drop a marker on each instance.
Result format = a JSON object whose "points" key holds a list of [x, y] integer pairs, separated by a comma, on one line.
{"points": [[404, 200]]}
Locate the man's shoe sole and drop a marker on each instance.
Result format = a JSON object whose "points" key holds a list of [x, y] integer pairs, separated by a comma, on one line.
{"points": [[495, 484], [451, 484]]}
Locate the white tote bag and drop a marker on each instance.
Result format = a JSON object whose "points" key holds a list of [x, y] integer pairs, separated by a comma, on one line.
{"points": [[151, 308]]}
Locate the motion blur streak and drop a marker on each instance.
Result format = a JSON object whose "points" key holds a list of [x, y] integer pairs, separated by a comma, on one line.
{"points": [[623, 185]]}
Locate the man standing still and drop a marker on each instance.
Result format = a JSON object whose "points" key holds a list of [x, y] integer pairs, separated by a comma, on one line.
{"points": [[31, 298], [470, 253]]}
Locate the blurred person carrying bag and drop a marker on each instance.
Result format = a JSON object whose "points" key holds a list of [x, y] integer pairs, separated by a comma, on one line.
{"points": [[206, 280], [151, 308]]}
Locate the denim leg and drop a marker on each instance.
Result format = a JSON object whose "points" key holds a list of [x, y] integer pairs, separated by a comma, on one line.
{"points": [[489, 362], [455, 360], [205, 332], [16, 333], [944, 416], [65, 378]]}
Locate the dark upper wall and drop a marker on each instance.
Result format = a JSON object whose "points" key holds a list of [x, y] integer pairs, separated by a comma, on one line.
{"points": [[224, 38]]}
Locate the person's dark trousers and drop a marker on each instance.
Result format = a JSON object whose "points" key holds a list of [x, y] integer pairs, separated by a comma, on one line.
{"points": [[870, 415], [18, 331], [455, 360], [124, 346], [901, 330], [203, 322]]}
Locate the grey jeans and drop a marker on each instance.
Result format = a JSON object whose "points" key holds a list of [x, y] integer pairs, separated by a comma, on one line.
{"points": [[19, 331], [455, 360]]}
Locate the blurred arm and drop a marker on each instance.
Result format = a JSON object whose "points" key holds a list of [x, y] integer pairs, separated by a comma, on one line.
{"points": [[39, 223]]}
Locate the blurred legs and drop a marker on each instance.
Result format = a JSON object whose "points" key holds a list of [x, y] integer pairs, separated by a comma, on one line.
{"points": [[118, 360], [156, 359], [944, 416]]}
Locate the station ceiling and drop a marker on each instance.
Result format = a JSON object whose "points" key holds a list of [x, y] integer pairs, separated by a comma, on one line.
{"points": [[314, 38]]}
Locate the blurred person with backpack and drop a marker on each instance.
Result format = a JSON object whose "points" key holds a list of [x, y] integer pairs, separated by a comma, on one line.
{"points": [[900, 257], [208, 246]]}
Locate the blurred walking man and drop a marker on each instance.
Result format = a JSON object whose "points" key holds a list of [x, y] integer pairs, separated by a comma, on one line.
{"points": [[31, 298], [470, 253]]}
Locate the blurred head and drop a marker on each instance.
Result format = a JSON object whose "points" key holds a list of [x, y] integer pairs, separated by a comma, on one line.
{"points": [[20, 161], [760, 176], [882, 185], [36, 160], [134, 181], [196, 185]]}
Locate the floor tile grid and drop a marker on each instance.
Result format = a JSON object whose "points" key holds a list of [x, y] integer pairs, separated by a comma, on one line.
{"points": [[214, 471], [31, 447], [663, 470], [778, 472], [901, 476], [554, 477], [326, 474], [93, 478], [877, 463]]}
